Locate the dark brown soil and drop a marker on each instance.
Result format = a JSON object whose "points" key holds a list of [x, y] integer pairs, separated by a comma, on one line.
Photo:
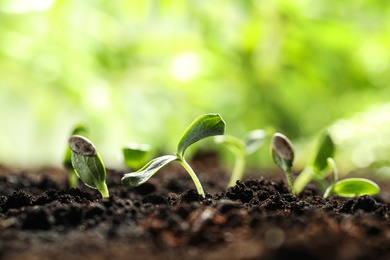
{"points": [[166, 219]]}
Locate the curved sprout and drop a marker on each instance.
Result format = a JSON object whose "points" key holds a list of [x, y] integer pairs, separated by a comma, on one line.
{"points": [[79, 129], [135, 155], [204, 126], [240, 149], [315, 169], [88, 164], [282, 152]]}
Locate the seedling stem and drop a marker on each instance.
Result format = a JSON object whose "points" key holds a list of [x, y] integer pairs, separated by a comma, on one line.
{"points": [[290, 180], [282, 152], [241, 148], [238, 169], [103, 190], [194, 178], [204, 126]]}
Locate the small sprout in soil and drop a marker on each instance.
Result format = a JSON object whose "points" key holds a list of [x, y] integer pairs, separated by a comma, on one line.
{"points": [[204, 126], [241, 148], [350, 187], [283, 155], [67, 162], [282, 152], [135, 155], [315, 170], [332, 166], [88, 164]]}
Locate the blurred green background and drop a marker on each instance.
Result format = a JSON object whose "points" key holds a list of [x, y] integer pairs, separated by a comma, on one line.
{"points": [[142, 70]]}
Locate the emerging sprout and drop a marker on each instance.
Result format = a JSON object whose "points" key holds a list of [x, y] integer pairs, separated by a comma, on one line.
{"points": [[204, 126], [72, 176], [135, 155], [332, 166], [350, 187], [315, 169], [88, 164], [282, 152], [241, 148]]}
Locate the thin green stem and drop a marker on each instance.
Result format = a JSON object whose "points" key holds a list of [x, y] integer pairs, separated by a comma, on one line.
{"points": [[303, 179], [238, 170], [328, 191], [290, 180], [103, 190], [193, 176]]}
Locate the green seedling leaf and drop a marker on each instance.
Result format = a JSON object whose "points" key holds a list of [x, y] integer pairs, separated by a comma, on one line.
{"points": [[135, 155], [78, 130], [143, 175], [282, 152], [87, 163], [204, 126], [352, 187], [254, 139], [325, 150], [67, 162]]}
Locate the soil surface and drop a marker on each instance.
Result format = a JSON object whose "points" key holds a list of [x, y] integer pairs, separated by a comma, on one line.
{"points": [[40, 218]]}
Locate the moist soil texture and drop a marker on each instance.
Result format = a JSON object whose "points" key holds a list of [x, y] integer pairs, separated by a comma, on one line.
{"points": [[41, 218]]}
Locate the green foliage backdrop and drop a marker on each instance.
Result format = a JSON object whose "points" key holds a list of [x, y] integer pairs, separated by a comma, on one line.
{"points": [[142, 70]]}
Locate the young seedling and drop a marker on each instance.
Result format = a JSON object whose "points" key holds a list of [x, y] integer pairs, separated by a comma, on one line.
{"points": [[315, 169], [204, 126], [67, 162], [88, 164], [282, 152], [135, 155], [241, 148], [350, 187]]}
